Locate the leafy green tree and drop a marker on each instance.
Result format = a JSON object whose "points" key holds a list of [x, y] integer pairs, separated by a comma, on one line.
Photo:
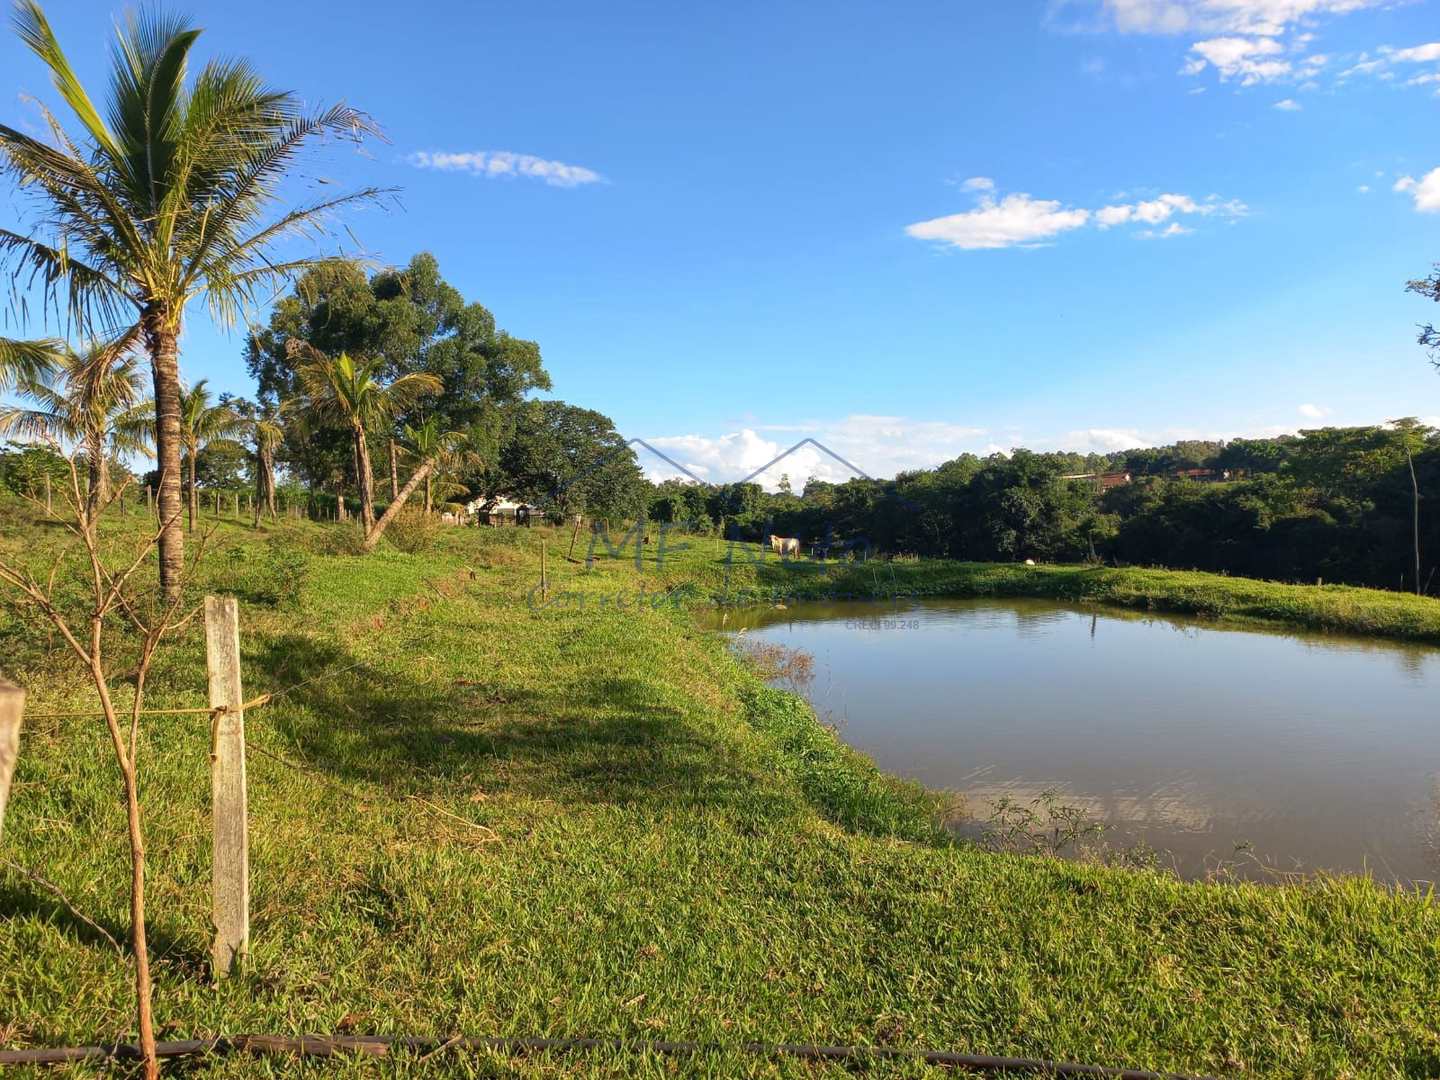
{"points": [[1345, 461], [162, 198], [574, 461], [24, 468], [223, 466], [680, 502], [413, 322], [1253, 456], [1429, 288]]}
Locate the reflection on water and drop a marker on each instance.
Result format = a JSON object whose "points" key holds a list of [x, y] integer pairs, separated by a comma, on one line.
{"points": [[1302, 751]]}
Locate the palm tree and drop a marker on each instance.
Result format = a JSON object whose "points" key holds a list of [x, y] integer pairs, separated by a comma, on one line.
{"points": [[450, 450], [202, 425], [162, 199], [348, 392], [267, 432], [93, 399]]}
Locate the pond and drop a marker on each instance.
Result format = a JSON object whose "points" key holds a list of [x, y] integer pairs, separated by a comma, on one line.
{"points": [[1225, 750]]}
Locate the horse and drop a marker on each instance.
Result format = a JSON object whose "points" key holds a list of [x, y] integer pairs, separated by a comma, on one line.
{"points": [[785, 545]]}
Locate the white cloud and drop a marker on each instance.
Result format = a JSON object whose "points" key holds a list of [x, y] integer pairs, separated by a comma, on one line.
{"points": [[1313, 412], [1173, 229], [1382, 65], [1251, 41], [504, 163], [1107, 217], [1363, 189], [1425, 191], [978, 183], [1419, 54], [1023, 221], [1014, 221], [1288, 105], [1102, 440], [1266, 18], [1251, 60]]}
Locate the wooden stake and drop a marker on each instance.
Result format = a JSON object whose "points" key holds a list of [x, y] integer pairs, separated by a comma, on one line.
{"points": [[231, 908], [573, 535], [48, 507], [12, 707], [544, 584]]}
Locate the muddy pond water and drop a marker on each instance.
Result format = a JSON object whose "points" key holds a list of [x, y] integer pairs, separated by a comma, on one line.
{"points": [[1239, 750]]}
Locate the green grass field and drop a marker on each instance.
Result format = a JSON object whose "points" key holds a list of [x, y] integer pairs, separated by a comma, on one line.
{"points": [[480, 813]]}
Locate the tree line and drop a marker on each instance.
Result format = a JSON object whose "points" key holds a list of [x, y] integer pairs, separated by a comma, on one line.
{"points": [[1334, 504]]}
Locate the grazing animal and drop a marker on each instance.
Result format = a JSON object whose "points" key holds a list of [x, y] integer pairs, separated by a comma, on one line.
{"points": [[785, 545]]}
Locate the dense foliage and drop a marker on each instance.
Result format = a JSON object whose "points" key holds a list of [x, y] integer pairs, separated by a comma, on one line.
{"points": [[412, 322], [1333, 503]]}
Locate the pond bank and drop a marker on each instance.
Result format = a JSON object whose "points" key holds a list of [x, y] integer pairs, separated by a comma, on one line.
{"points": [[1338, 608]]}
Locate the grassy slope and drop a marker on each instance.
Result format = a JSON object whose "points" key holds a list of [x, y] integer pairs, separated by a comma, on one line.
{"points": [[667, 851]]}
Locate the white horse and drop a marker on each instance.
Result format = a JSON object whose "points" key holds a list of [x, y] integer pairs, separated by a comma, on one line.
{"points": [[785, 545]]}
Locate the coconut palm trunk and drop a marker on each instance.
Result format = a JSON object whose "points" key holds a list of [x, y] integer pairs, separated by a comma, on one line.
{"points": [[394, 472], [363, 478], [161, 342], [372, 536], [98, 472], [269, 467], [265, 484], [193, 504]]}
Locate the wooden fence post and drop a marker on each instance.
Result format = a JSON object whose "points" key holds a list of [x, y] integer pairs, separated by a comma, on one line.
{"points": [[12, 707], [231, 909]]}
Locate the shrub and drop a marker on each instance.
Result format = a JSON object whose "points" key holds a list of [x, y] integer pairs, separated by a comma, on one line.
{"points": [[414, 531], [339, 540], [273, 575]]}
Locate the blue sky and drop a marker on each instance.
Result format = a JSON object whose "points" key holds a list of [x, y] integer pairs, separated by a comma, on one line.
{"points": [[906, 230]]}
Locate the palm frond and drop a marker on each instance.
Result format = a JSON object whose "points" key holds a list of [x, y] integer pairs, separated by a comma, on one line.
{"points": [[147, 103], [28, 361], [89, 292], [34, 30]]}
